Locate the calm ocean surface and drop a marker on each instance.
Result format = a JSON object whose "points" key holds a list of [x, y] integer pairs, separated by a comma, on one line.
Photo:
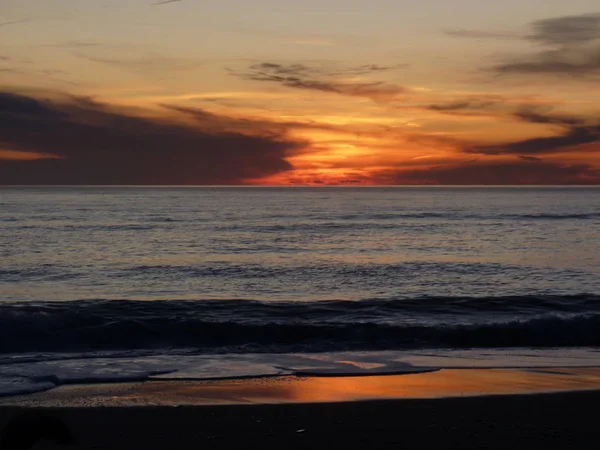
{"points": [[280, 270]]}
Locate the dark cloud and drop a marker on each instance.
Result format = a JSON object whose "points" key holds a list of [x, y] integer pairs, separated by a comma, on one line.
{"points": [[558, 31], [518, 172], [478, 105], [305, 71], [530, 158], [462, 106], [571, 47], [575, 131], [544, 145], [536, 115], [92, 144], [567, 30], [12, 105], [453, 106], [581, 62], [300, 76]]}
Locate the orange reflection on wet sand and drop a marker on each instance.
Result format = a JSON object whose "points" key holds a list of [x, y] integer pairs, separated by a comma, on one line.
{"points": [[445, 383]]}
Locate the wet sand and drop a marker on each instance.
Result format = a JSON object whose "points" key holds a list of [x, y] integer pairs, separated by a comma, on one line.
{"points": [[331, 413], [294, 389]]}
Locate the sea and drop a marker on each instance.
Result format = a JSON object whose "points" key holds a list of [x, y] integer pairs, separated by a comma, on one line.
{"points": [[101, 284]]}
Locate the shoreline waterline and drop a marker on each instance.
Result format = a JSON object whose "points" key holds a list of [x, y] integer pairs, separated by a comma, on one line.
{"points": [[445, 383]]}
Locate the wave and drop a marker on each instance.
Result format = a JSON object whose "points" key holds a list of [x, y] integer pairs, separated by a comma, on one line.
{"points": [[55, 272], [243, 326], [460, 215], [555, 216], [291, 224], [45, 272], [393, 221], [360, 271]]}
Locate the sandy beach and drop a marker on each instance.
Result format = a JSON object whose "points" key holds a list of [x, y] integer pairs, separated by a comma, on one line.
{"points": [[499, 422], [464, 409]]}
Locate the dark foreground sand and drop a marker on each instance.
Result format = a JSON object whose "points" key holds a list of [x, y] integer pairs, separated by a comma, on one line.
{"points": [[564, 420]]}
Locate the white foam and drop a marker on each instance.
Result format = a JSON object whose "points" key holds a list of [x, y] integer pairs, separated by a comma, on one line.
{"points": [[202, 368], [22, 385], [503, 358]]}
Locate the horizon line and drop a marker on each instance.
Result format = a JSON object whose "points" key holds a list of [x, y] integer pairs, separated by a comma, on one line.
{"points": [[254, 186]]}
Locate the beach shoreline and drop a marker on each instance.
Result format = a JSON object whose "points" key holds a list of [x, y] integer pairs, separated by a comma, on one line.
{"points": [[497, 408], [443, 383]]}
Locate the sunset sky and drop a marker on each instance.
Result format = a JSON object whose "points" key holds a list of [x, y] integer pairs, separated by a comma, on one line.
{"points": [[307, 92]]}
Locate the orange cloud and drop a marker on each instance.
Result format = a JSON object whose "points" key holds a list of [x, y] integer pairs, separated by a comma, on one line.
{"points": [[17, 155], [176, 143]]}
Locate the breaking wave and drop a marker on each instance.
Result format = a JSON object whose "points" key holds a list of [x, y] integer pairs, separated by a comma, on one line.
{"points": [[279, 327]]}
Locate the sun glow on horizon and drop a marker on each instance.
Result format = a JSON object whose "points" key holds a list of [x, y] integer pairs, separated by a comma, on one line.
{"points": [[314, 102]]}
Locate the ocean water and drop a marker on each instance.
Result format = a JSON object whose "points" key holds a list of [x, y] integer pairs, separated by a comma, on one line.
{"points": [[125, 282]]}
